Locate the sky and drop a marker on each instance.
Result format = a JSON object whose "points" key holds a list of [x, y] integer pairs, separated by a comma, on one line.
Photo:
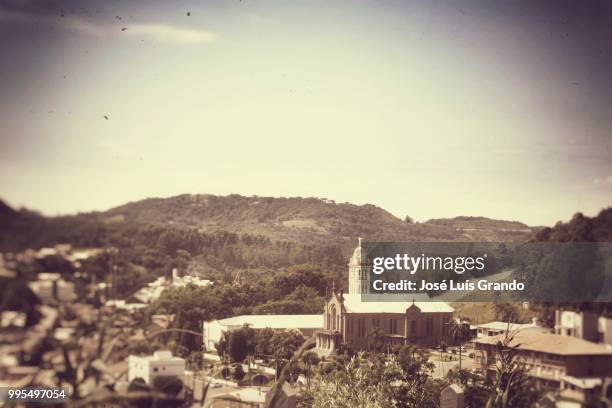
{"points": [[425, 108]]}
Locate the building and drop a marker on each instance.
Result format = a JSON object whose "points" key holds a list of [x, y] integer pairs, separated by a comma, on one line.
{"points": [[287, 396], [580, 390], [497, 328], [604, 330], [181, 281], [160, 364], [163, 320], [51, 288], [350, 321], [307, 324], [154, 289], [583, 325], [452, 397], [123, 305], [241, 398], [550, 358]]}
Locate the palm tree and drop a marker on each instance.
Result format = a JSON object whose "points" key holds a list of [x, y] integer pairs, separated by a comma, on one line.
{"points": [[512, 387], [310, 359], [459, 332], [275, 391]]}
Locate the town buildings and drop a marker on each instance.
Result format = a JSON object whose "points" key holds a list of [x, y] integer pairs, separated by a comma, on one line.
{"points": [[569, 364], [584, 325], [154, 289], [348, 320], [497, 327], [51, 287], [306, 324], [160, 364], [181, 281]]}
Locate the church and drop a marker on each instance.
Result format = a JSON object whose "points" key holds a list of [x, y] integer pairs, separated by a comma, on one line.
{"points": [[349, 321]]}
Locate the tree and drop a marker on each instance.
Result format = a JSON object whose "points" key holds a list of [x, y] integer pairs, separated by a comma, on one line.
{"points": [[459, 332], [239, 372], [195, 359], [225, 372], [369, 382], [506, 312], [420, 390], [168, 384], [375, 339], [237, 344], [285, 306], [310, 359], [285, 343], [512, 386], [413, 361], [139, 385], [263, 347], [16, 295]]}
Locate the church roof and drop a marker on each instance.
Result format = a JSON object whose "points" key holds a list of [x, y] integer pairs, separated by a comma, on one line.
{"points": [[354, 304]]}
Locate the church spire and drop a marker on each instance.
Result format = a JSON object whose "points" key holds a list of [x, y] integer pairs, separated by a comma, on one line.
{"points": [[359, 271]]}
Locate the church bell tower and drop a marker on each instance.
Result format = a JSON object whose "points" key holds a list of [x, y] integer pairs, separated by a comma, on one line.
{"points": [[359, 271]]}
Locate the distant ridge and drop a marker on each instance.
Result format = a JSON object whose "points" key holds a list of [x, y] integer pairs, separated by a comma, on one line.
{"points": [[312, 221], [463, 222], [317, 219]]}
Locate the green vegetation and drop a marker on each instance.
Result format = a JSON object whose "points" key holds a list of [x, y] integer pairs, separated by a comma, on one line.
{"points": [[400, 379], [267, 343], [576, 269], [319, 222], [512, 387], [273, 294]]}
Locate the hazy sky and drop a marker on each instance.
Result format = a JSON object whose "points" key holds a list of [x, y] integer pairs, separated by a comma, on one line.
{"points": [[427, 108]]}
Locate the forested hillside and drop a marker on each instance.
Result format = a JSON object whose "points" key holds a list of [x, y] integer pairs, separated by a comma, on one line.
{"points": [[307, 219], [580, 229], [304, 220], [578, 269]]}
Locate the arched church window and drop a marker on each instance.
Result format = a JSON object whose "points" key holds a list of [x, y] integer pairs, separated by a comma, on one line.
{"points": [[333, 318]]}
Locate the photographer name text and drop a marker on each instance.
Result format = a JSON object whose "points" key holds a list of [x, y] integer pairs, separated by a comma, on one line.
{"points": [[451, 285]]}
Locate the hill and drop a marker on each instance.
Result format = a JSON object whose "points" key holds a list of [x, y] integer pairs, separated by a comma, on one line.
{"points": [[315, 220], [480, 223], [580, 229]]}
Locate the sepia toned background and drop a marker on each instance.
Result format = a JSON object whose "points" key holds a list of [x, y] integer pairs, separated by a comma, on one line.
{"points": [[501, 109]]}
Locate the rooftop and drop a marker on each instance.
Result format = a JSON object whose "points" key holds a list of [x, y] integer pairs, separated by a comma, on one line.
{"points": [[583, 383], [503, 326], [535, 340], [276, 321], [160, 355], [354, 303]]}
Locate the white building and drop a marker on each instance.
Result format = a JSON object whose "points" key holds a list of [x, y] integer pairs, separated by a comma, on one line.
{"points": [[306, 324], [152, 291], [51, 287], [160, 364], [181, 281], [123, 305], [584, 325], [495, 328]]}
